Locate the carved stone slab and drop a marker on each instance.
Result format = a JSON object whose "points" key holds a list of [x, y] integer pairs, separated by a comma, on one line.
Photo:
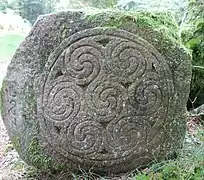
{"points": [[95, 96]]}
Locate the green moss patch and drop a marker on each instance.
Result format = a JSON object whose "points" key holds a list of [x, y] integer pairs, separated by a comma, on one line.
{"points": [[193, 38], [37, 158], [1, 103], [16, 143], [162, 22]]}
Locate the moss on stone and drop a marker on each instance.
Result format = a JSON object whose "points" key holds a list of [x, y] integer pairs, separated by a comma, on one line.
{"points": [[1, 103], [37, 158], [16, 143], [162, 22], [32, 152], [1, 96]]}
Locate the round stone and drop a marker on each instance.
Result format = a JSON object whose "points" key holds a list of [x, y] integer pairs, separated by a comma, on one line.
{"points": [[103, 97], [100, 88]]}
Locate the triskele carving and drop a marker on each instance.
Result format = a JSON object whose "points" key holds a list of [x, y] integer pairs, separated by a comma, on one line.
{"points": [[102, 85], [85, 136], [62, 101]]}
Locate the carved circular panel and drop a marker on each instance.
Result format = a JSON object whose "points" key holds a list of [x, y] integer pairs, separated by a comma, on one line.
{"points": [[103, 93]]}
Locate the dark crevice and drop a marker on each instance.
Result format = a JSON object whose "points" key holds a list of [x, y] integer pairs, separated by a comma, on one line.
{"points": [[103, 151], [57, 129], [58, 74], [84, 86], [153, 67], [104, 42], [104, 124], [126, 85]]}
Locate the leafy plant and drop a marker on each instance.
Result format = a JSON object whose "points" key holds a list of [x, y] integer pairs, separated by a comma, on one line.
{"points": [[193, 38]]}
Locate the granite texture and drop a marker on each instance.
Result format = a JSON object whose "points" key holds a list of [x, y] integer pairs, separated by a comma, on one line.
{"points": [[81, 92]]}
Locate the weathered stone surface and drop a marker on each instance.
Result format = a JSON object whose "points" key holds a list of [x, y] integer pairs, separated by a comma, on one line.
{"points": [[101, 91]]}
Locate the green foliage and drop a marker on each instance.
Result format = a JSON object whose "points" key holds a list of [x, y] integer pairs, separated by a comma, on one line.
{"points": [[196, 44], [189, 166], [193, 38], [100, 3], [195, 11], [176, 7]]}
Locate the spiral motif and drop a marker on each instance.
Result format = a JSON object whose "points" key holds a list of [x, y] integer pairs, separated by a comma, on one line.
{"points": [[146, 96], [84, 136], [62, 101], [126, 59], [124, 134], [103, 90], [82, 61], [105, 100]]}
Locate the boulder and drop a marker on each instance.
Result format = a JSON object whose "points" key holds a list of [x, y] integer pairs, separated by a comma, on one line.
{"points": [[105, 91]]}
